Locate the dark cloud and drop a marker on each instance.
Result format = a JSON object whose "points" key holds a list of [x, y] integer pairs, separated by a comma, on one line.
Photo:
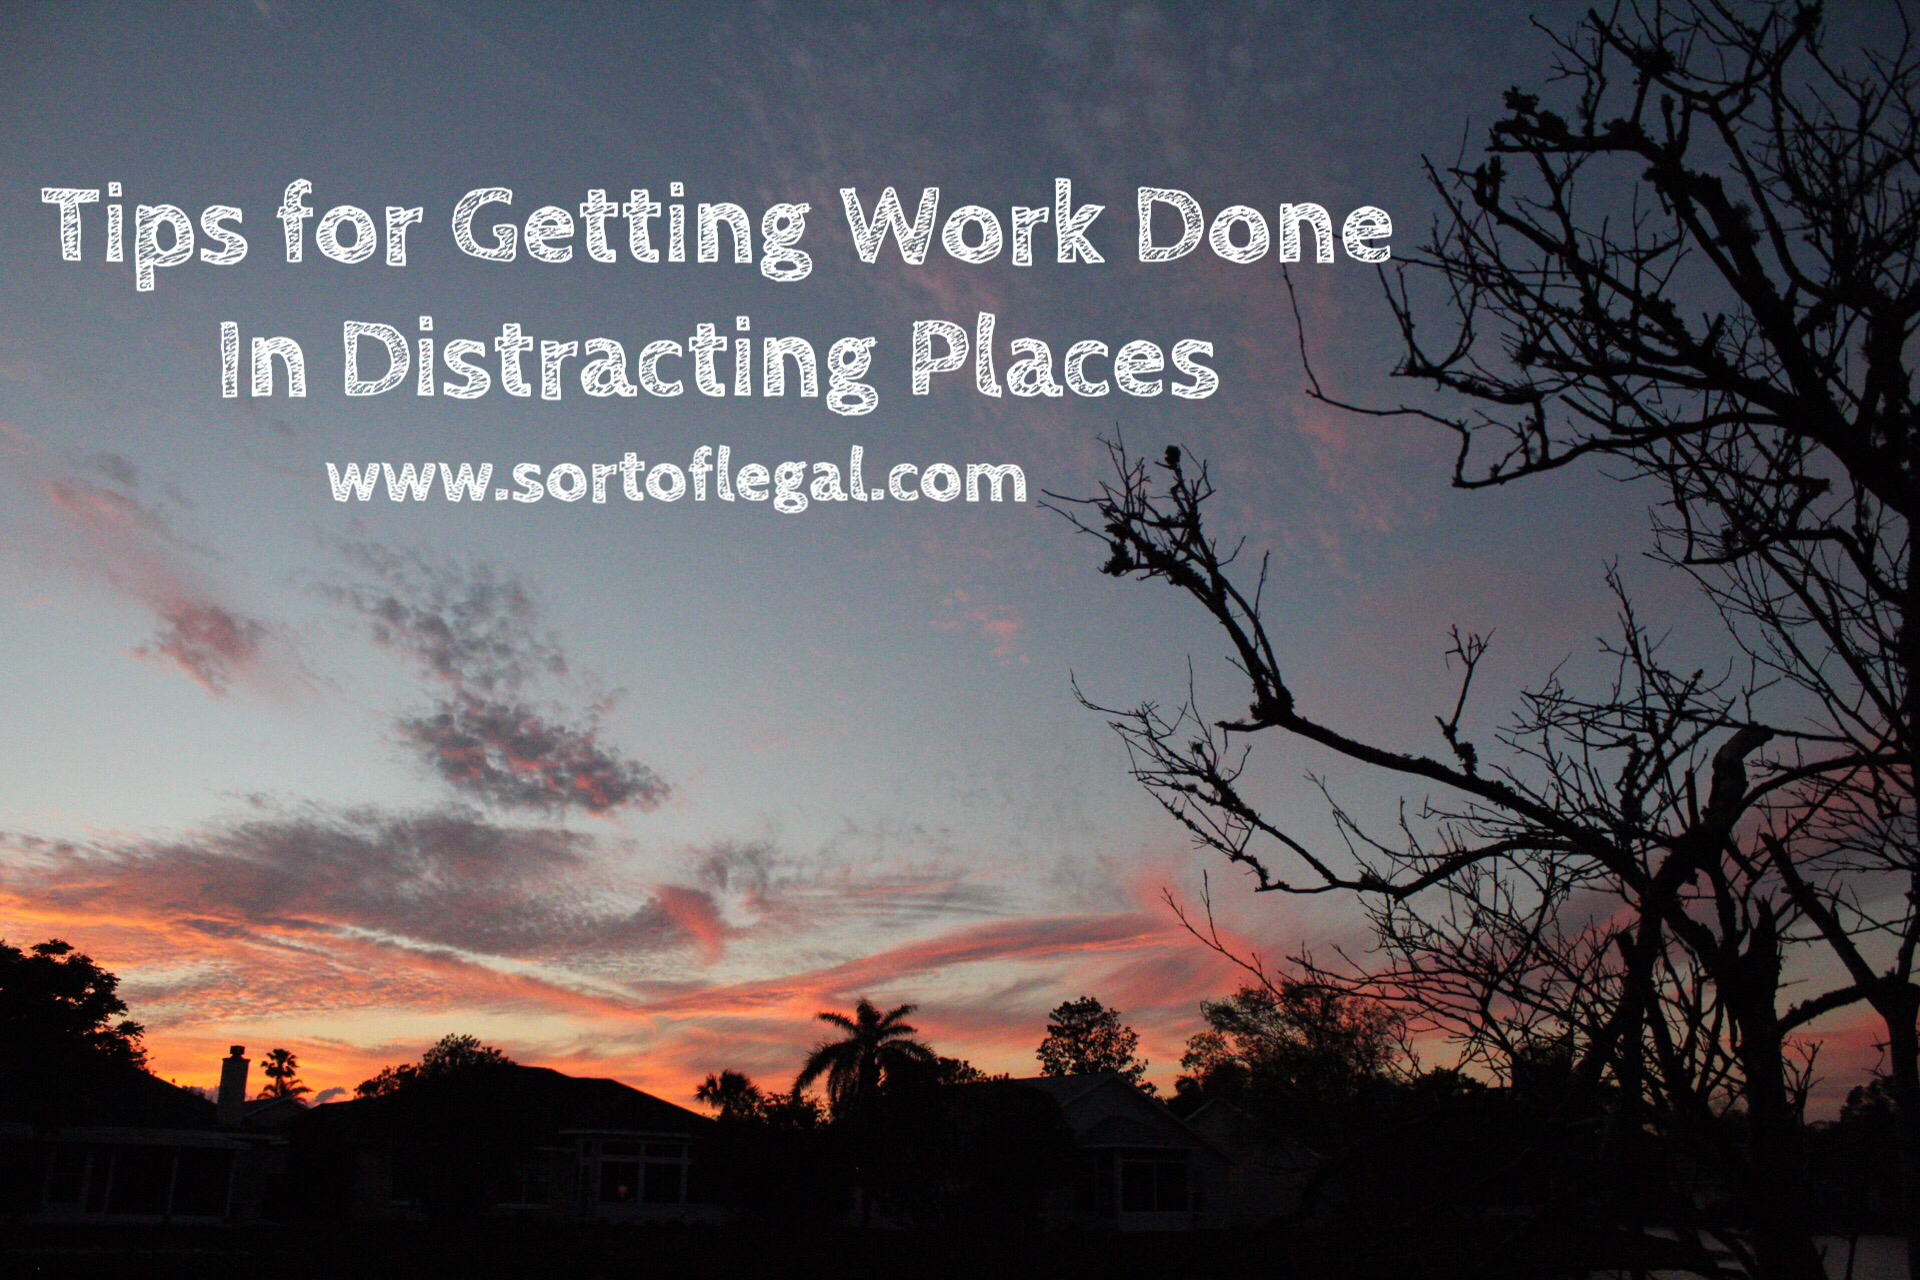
{"points": [[478, 634], [745, 867], [512, 755], [115, 468], [207, 641], [470, 627], [445, 878]]}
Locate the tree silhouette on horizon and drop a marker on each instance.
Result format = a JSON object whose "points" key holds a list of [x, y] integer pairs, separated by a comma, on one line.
{"points": [[54, 999], [282, 1070], [62, 1025], [1298, 1056], [1084, 1036], [450, 1055], [877, 1047], [732, 1095]]}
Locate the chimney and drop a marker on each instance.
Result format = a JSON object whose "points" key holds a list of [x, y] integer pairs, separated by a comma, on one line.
{"points": [[232, 1101]]}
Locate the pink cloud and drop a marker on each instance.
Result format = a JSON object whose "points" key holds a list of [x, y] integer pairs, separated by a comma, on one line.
{"points": [[997, 623], [697, 915], [112, 538], [206, 641]]}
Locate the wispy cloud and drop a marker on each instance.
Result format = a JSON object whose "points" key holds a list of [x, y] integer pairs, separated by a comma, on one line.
{"points": [[114, 535]]}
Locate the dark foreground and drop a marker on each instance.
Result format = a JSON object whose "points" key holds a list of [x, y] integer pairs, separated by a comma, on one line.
{"points": [[498, 1250]]}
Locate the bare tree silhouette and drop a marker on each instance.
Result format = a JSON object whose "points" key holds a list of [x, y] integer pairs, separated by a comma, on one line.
{"points": [[1697, 261]]}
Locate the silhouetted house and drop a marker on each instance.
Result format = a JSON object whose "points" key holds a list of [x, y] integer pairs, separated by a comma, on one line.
{"points": [[986, 1156], [270, 1115], [1266, 1177], [1137, 1167], [1486, 1155], [505, 1140], [109, 1143]]}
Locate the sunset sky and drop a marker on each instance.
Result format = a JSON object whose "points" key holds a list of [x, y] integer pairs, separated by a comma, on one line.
{"points": [[756, 764]]}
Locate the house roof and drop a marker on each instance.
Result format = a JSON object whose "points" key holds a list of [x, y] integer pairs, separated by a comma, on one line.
{"points": [[1236, 1132], [130, 1096], [105, 1092], [271, 1112], [1066, 1090], [530, 1099], [1150, 1124]]}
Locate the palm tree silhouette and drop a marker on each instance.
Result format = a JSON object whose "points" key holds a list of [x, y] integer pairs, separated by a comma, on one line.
{"points": [[733, 1095], [878, 1046], [282, 1071]]}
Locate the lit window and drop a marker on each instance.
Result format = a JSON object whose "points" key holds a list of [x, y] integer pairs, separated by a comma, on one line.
{"points": [[619, 1181]]}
